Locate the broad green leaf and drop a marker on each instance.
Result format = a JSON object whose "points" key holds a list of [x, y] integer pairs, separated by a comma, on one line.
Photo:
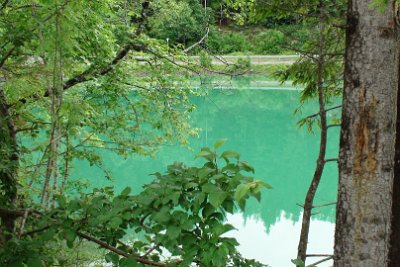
{"points": [[204, 172], [246, 166], [241, 191], [219, 143], [173, 231], [298, 262], [223, 228], [115, 222], [228, 205], [209, 188], [126, 191], [216, 198], [263, 184], [207, 154], [230, 154], [70, 235], [112, 257], [208, 210]]}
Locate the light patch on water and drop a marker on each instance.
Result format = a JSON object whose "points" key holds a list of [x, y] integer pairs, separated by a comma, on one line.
{"points": [[279, 246]]}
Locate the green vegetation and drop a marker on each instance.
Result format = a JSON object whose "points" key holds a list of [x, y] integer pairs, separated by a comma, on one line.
{"points": [[79, 77], [181, 212]]}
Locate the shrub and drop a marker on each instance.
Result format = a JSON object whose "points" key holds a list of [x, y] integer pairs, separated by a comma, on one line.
{"points": [[269, 42], [225, 43]]}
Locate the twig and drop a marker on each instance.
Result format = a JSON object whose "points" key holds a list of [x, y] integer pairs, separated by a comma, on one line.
{"points": [[324, 205], [38, 230], [334, 125], [118, 251], [329, 160], [323, 111], [320, 261], [21, 229], [197, 43], [149, 251], [319, 255]]}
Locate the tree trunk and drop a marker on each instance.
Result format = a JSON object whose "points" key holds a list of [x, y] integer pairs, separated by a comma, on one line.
{"points": [[367, 138], [394, 248], [9, 161]]}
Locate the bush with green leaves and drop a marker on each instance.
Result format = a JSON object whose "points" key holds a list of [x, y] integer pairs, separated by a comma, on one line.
{"points": [[269, 42], [227, 42], [181, 22], [183, 211]]}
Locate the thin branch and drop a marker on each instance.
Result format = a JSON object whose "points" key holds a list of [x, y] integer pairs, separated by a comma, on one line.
{"points": [[323, 111], [324, 205], [37, 230], [90, 73], [199, 42], [16, 213], [6, 56], [3, 6], [333, 159], [118, 251], [334, 125], [320, 261], [21, 229], [150, 250], [319, 255]]}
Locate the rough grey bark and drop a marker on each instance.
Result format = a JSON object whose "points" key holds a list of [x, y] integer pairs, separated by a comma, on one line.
{"points": [[394, 248], [367, 139]]}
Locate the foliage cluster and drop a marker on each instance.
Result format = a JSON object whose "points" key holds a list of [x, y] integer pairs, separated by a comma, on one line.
{"points": [[182, 212]]}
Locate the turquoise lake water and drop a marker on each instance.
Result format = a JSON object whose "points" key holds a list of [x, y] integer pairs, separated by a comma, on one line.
{"points": [[260, 125]]}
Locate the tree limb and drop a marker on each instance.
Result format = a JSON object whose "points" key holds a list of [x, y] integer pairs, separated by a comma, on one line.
{"points": [[118, 251]]}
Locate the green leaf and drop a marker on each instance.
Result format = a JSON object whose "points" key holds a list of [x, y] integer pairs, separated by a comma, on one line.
{"points": [[70, 235], [298, 262], [112, 257], [208, 210], [173, 231], [230, 154], [216, 198], [241, 191], [125, 262], [246, 166], [209, 188], [115, 222], [206, 153], [34, 262], [222, 229], [204, 172], [228, 205], [263, 184], [126, 191], [219, 143], [163, 215], [48, 235]]}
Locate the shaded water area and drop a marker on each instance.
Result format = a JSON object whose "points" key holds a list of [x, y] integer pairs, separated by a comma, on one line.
{"points": [[259, 124]]}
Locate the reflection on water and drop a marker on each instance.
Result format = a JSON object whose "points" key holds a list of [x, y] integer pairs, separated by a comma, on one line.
{"points": [[259, 124], [277, 246]]}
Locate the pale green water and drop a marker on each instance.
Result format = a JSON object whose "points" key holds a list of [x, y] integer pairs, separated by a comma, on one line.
{"points": [[260, 126]]}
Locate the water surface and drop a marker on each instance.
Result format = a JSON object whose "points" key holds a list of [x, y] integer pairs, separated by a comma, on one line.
{"points": [[260, 125]]}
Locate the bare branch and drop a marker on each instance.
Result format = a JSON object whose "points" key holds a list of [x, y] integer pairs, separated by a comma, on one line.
{"points": [[319, 255], [320, 261], [197, 43], [6, 56], [323, 111], [333, 159]]}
